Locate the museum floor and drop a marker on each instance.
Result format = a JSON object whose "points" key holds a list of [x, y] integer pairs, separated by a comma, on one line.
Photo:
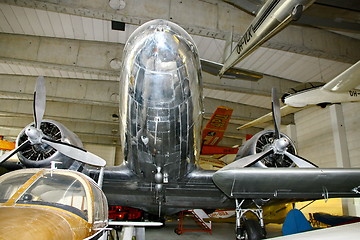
{"points": [[220, 231]]}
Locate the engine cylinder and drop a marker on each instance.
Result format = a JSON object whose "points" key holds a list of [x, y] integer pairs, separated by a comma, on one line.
{"points": [[41, 155], [263, 141]]}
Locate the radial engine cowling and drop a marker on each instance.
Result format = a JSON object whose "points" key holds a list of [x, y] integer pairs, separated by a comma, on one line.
{"points": [[261, 142], [41, 155]]}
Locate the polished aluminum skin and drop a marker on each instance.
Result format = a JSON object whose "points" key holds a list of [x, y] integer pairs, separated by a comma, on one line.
{"points": [[160, 127], [160, 102]]}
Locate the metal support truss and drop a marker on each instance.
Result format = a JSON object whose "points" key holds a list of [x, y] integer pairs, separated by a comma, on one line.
{"points": [[240, 212]]}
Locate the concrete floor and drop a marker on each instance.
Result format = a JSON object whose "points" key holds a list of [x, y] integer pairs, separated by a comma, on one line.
{"points": [[220, 231]]}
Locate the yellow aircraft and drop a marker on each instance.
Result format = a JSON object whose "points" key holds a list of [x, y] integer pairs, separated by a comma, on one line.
{"points": [[51, 204]]}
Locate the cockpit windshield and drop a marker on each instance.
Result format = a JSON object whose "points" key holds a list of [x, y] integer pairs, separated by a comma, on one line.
{"points": [[68, 190], [9, 185], [58, 190]]}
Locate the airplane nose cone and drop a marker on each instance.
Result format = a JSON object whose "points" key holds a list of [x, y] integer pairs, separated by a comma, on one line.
{"points": [[160, 46], [162, 65]]}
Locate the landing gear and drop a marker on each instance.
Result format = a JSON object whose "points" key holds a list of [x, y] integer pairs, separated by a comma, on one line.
{"points": [[249, 229]]}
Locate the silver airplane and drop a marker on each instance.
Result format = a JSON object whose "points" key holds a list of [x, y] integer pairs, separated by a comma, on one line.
{"points": [[161, 113]]}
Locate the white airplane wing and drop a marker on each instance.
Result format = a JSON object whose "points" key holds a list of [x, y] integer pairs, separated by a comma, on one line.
{"points": [[285, 110], [340, 89], [346, 81]]}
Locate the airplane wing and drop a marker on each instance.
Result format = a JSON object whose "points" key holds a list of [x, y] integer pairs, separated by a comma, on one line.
{"points": [[346, 81], [233, 72], [241, 179], [340, 89], [285, 110], [271, 18], [287, 182]]}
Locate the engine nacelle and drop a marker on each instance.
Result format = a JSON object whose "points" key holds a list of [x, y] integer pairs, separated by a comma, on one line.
{"points": [[41, 155], [261, 142]]}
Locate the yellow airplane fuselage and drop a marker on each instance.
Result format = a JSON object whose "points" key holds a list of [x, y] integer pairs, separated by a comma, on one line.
{"points": [[22, 221]]}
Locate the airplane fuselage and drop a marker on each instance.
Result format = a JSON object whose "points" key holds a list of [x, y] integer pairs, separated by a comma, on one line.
{"points": [[321, 96], [160, 122], [160, 99]]}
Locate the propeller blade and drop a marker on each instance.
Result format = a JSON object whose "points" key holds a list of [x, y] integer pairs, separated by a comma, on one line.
{"points": [[7, 155], [251, 159], [76, 153], [299, 161], [276, 112], [39, 101]]}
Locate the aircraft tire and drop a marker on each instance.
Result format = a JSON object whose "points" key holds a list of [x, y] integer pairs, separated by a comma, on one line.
{"points": [[252, 230]]}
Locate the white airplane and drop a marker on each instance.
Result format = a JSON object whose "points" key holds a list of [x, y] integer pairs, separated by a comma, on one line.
{"points": [[338, 90], [271, 18]]}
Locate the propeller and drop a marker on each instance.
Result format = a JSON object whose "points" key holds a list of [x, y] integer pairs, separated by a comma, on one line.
{"points": [[275, 106], [279, 144], [36, 136], [39, 103], [7, 155]]}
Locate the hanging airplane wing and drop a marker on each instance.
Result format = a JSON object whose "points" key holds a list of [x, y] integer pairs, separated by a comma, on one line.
{"points": [[272, 18], [233, 72], [340, 89], [284, 110]]}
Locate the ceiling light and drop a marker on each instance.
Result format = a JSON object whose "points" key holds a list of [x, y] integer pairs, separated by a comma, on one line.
{"points": [[115, 63], [117, 4]]}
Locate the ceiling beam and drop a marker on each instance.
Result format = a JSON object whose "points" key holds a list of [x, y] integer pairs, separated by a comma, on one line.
{"points": [[60, 53], [89, 131], [80, 91], [322, 14], [24, 50], [92, 99], [193, 16]]}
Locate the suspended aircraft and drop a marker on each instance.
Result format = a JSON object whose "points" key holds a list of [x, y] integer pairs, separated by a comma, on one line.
{"points": [[272, 17], [340, 89], [160, 128]]}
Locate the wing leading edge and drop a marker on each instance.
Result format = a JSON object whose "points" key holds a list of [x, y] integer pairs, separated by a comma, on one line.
{"points": [[314, 183]]}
